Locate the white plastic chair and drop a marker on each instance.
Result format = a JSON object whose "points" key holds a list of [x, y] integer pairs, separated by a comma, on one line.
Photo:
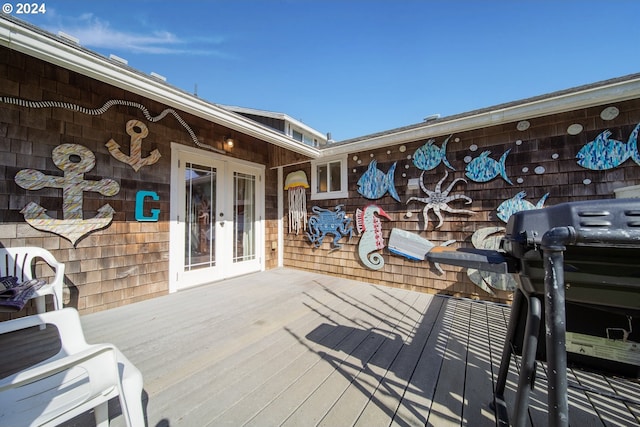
{"points": [[19, 261], [75, 380]]}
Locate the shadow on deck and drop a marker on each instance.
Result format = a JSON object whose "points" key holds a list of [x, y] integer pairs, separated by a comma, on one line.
{"points": [[287, 347]]}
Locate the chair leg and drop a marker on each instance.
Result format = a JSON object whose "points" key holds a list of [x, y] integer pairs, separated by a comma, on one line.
{"points": [[132, 392], [101, 413], [57, 301], [41, 306]]}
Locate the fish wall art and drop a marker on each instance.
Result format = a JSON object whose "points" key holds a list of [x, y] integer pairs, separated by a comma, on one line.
{"points": [[490, 238], [483, 168], [439, 200], [429, 156], [369, 225], [604, 153], [373, 184], [516, 204]]}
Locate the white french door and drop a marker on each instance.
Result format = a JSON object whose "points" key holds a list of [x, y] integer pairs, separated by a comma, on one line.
{"points": [[217, 218]]}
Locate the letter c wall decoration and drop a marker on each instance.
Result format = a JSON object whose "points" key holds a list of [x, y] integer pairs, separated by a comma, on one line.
{"points": [[155, 213]]}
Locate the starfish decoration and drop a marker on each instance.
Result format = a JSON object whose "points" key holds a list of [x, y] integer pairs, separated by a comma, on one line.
{"points": [[438, 200]]}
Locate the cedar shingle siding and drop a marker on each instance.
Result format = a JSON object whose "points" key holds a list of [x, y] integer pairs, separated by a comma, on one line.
{"points": [[128, 260], [545, 143]]}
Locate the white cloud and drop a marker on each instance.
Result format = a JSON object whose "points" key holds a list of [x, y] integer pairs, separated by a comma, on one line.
{"points": [[96, 33]]}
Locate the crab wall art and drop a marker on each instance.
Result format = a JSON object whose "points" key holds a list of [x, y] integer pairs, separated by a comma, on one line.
{"points": [[439, 200], [326, 221]]}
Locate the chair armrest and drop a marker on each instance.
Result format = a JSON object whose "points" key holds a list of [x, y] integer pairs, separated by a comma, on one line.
{"points": [[53, 262], [20, 323], [47, 369]]}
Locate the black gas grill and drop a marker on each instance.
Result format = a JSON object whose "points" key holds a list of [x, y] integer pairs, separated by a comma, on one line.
{"points": [[583, 260]]}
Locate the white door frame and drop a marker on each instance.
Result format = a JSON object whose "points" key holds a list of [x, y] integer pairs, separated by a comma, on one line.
{"points": [[176, 225]]}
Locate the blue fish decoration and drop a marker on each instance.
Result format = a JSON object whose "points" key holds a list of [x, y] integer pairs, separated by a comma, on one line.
{"points": [[517, 204], [603, 153], [373, 184], [483, 168], [429, 156]]}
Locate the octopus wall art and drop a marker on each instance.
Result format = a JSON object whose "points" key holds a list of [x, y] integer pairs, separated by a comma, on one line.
{"points": [[439, 199]]}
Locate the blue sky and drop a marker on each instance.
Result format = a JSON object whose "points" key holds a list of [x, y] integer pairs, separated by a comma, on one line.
{"points": [[353, 67]]}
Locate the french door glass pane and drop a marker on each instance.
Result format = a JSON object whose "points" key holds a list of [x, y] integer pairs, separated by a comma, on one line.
{"points": [[200, 216], [244, 208]]}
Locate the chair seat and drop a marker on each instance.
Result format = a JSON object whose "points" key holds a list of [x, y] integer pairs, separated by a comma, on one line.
{"points": [[78, 378]]}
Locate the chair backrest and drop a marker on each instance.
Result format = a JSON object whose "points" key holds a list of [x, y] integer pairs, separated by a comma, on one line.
{"points": [[16, 262], [80, 377], [19, 261]]}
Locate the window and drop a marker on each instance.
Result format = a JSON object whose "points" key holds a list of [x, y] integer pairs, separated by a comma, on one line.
{"points": [[296, 135], [329, 179]]}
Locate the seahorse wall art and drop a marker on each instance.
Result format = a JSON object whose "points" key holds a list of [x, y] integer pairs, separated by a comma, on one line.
{"points": [[374, 183], [326, 221], [370, 226], [603, 153]]}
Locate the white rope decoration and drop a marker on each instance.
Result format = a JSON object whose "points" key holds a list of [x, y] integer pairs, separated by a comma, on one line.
{"points": [[104, 108], [297, 209]]}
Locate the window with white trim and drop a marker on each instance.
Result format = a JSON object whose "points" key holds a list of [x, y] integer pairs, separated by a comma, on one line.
{"points": [[329, 178]]}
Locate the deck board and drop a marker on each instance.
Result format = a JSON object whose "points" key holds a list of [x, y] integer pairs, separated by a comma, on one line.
{"points": [[291, 348], [478, 391], [354, 380], [392, 398], [446, 408]]}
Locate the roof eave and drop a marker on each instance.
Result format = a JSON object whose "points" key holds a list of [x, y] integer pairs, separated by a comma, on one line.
{"points": [[278, 116], [616, 91], [45, 47]]}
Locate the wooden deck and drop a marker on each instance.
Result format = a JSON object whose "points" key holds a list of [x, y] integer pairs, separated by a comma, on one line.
{"points": [[293, 348]]}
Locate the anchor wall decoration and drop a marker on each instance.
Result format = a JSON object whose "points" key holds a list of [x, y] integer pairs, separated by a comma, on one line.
{"points": [[75, 160], [138, 131]]}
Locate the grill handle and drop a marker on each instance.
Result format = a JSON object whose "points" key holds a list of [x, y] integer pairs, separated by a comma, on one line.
{"points": [[480, 259]]}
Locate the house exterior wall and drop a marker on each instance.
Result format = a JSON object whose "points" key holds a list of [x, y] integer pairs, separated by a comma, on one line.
{"points": [[127, 261], [546, 144]]}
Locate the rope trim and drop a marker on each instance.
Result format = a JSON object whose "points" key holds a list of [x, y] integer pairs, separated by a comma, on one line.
{"points": [[98, 111]]}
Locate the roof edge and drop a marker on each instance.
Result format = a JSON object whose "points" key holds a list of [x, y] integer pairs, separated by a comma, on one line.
{"points": [[275, 115], [607, 91], [35, 42]]}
